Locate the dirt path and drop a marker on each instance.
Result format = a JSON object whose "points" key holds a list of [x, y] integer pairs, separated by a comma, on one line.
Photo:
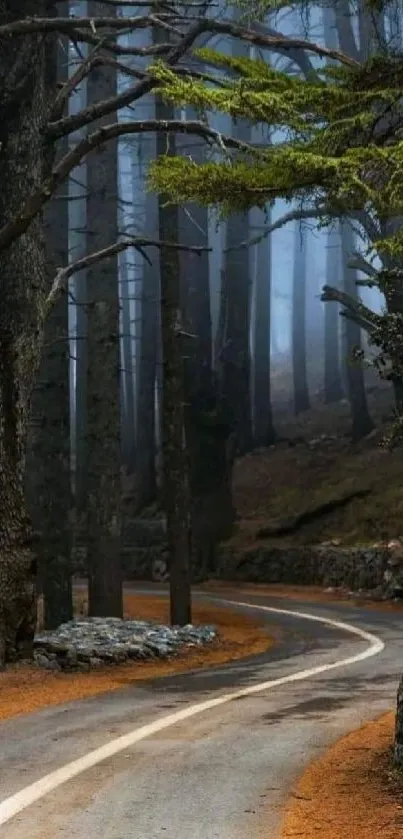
{"points": [[25, 688]]}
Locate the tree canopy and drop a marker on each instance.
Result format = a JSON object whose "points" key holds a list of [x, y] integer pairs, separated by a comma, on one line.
{"points": [[342, 149], [340, 120]]}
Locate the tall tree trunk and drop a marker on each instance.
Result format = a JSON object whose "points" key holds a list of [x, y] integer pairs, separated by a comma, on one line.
{"points": [[175, 469], [103, 500], [77, 210], [300, 379], [263, 430], [212, 511], [360, 417], [394, 294], [235, 355], [28, 73], [146, 485], [128, 429], [333, 389], [48, 461]]}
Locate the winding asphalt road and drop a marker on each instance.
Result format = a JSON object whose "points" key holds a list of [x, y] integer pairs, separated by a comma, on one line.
{"points": [[223, 773]]}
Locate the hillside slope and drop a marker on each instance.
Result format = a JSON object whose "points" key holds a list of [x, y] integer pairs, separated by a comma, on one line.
{"points": [[314, 462]]}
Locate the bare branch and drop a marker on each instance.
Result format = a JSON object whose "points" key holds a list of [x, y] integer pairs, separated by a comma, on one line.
{"points": [[353, 309], [361, 264], [173, 54], [95, 60], [72, 83], [137, 242], [73, 25], [160, 4], [293, 215], [19, 224], [70, 24]]}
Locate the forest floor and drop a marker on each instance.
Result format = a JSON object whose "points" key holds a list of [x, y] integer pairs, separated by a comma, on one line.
{"points": [[25, 688], [314, 462], [350, 792]]}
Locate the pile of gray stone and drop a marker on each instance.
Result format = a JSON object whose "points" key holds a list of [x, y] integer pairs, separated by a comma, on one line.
{"points": [[88, 643]]}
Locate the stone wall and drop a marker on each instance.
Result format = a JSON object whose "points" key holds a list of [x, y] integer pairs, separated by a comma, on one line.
{"points": [[328, 565], [366, 567]]}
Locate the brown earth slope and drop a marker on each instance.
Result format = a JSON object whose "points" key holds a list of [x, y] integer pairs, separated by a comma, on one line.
{"points": [[315, 463]]}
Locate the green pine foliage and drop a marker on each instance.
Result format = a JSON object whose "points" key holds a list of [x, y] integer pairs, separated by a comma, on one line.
{"points": [[340, 149]]}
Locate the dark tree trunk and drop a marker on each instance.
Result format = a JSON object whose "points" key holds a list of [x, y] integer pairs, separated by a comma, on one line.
{"points": [[342, 31], [146, 484], [398, 741], [128, 431], [176, 492], [48, 461], [235, 364], [212, 512], [234, 357], [360, 417], [27, 71], [300, 379], [263, 431], [333, 389], [103, 500], [394, 295], [175, 473], [77, 190]]}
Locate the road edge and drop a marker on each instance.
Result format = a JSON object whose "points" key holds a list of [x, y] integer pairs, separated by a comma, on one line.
{"points": [[350, 790]]}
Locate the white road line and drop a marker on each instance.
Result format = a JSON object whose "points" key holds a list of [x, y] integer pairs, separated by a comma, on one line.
{"points": [[13, 805]]}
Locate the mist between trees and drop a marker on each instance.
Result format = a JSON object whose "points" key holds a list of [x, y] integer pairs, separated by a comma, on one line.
{"points": [[191, 195]]}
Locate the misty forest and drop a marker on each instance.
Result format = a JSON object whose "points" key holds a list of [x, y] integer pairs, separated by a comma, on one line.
{"points": [[201, 297]]}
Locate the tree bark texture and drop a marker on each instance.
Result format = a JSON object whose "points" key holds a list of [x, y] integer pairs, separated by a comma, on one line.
{"points": [[103, 480], [27, 70], [176, 494], [48, 461], [360, 418], [235, 361], [212, 512]]}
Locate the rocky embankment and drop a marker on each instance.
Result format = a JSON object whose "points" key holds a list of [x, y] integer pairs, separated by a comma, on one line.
{"points": [[87, 643]]}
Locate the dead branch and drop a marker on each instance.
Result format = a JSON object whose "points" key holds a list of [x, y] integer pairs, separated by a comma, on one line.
{"points": [[353, 309], [137, 242], [67, 25], [72, 83], [361, 264], [173, 54], [74, 25], [292, 215], [160, 4], [19, 224]]}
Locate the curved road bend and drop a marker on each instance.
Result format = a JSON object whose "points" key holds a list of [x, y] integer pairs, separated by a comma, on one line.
{"points": [[221, 774]]}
